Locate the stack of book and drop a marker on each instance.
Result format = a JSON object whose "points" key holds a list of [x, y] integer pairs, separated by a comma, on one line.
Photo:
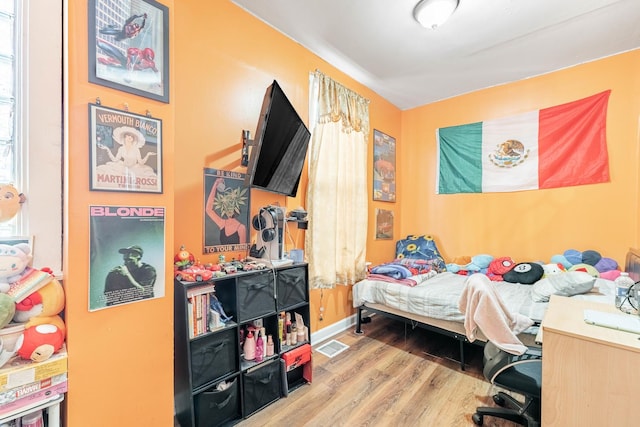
{"points": [[202, 318], [24, 383]]}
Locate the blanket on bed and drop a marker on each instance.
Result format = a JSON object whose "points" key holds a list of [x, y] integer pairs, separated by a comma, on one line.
{"points": [[483, 308]]}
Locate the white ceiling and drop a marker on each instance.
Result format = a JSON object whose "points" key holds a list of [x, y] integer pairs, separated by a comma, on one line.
{"points": [[485, 43]]}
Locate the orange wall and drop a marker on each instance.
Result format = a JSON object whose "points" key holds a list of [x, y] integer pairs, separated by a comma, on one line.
{"points": [[121, 358], [529, 225], [224, 61]]}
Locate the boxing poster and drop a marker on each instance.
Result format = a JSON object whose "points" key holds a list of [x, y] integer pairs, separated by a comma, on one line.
{"points": [[127, 255]]}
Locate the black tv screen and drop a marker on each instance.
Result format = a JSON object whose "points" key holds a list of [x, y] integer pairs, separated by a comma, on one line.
{"points": [[279, 146]]}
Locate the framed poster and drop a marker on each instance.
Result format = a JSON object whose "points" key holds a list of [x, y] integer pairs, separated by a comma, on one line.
{"points": [[126, 255], [384, 167], [125, 151], [384, 224], [226, 212], [129, 46]]}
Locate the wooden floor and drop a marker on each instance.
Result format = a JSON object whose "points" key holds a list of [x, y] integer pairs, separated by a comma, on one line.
{"points": [[390, 376]]}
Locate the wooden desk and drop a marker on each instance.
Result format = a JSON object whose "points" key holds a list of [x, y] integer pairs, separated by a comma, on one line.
{"points": [[589, 373]]}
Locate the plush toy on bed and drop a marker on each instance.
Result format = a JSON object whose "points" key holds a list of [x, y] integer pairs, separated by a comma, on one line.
{"points": [[589, 261], [477, 264], [525, 273]]}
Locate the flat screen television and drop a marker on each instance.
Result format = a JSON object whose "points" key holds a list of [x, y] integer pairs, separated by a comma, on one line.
{"points": [[279, 146]]}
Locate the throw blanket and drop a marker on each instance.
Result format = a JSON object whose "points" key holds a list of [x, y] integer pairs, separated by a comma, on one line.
{"points": [[409, 281], [483, 308]]}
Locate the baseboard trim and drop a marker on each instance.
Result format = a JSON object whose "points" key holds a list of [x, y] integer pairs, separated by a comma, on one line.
{"points": [[330, 331]]}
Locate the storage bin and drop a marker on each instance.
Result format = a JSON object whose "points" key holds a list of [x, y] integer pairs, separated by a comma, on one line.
{"points": [[213, 356], [298, 367], [292, 287], [216, 407], [256, 296], [261, 386]]}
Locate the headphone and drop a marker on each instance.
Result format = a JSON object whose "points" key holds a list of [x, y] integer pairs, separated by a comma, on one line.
{"points": [[260, 223]]}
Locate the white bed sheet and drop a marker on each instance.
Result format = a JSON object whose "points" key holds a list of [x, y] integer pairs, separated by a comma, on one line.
{"points": [[437, 297]]}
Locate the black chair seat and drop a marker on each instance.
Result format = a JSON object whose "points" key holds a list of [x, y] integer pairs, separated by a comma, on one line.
{"points": [[521, 374], [525, 378]]}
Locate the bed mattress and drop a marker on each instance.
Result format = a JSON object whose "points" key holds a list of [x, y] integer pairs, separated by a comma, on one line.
{"points": [[437, 297]]}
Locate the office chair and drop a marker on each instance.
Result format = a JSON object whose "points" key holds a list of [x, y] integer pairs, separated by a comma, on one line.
{"points": [[519, 374]]}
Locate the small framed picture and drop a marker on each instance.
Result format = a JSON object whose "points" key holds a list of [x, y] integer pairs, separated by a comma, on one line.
{"points": [[384, 224], [125, 151], [129, 46], [384, 167]]}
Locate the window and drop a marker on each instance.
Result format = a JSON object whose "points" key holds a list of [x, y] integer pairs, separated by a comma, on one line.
{"points": [[9, 172], [31, 121]]}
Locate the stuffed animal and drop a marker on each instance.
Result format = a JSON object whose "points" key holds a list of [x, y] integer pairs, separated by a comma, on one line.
{"points": [[14, 260], [45, 330], [7, 310], [10, 202], [41, 342], [46, 301]]}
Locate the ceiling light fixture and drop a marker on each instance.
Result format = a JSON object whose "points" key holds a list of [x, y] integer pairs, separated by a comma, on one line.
{"points": [[433, 13]]}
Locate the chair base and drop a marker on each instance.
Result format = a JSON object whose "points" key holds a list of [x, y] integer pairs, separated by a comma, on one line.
{"points": [[527, 414]]}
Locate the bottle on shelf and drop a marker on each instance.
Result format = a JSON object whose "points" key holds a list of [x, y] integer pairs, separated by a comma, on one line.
{"points": [[249, 347], [281, 326], [623, 285], [259, 355], [294, 334], [270, 346], [263, 334]]}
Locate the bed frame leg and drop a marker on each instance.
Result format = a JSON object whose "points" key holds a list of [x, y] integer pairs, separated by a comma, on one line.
{"points": [[461, 341], [358, 330]]}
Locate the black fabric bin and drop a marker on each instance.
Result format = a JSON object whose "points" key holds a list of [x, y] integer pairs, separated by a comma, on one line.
{"points": [[292, 287], [256, 296], [216, 407], [261, 387], [213, 356]]}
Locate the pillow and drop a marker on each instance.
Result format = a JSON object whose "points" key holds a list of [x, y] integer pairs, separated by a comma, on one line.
{"points": [[526, 273], [420, 248], [564, 284]]}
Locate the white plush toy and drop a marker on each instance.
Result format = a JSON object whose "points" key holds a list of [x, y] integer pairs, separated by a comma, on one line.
{"points": [[14, 260]]}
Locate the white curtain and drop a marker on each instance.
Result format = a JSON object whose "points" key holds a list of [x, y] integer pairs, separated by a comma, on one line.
{"points": [[336, 239]]}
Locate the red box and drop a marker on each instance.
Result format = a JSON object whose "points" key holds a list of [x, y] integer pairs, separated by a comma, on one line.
{"points": [[297, 367], [297, 357]]}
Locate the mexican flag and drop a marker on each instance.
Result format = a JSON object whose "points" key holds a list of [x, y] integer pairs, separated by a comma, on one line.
{"points": [[554, 147]]}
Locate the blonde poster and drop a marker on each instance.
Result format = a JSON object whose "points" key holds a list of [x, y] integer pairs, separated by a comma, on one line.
{"points": [[127, 262], [126, 151]]}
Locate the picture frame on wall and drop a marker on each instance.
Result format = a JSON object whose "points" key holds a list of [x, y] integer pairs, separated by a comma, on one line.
{"points": [[384, 224], [129, 46], [125, 151], [384, 167]]}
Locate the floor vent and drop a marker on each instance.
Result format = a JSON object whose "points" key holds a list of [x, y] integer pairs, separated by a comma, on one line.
{"points": [[332, 348]]}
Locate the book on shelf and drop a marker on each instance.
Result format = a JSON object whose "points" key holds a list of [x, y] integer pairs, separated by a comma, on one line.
{"points": [[13, 398], [34, 398], [201, 317]]}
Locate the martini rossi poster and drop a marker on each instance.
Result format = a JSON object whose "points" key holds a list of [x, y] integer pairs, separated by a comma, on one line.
{"points": [[127, 247]]}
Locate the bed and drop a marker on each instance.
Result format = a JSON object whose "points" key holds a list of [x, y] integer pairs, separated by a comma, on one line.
{"points": [[432, 303]]}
